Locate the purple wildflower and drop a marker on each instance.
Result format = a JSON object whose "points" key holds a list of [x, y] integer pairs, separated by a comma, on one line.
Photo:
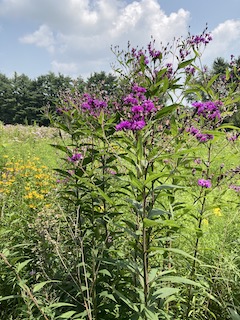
{"points": [[196, 40], [198, 161], [138, 125], [233, 137], [209, 109], [193, 131], [234, 187], [204, 183], [113, 172], [203, 137], [137, 109], [148, 106], [123, 125], [75, 157], [190, 70]]}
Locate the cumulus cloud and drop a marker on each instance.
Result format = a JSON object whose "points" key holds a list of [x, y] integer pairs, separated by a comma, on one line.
{"points": [[226, 39], [81, 32], [43, 37], [64, 68]]}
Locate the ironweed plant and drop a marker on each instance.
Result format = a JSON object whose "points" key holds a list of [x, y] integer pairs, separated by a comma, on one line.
{"points": [[144, 180], [138, 205]]}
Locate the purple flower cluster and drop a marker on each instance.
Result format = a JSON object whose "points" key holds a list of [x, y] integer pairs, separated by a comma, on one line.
{"points": [[209, 109], [201, 137], [190, 70], [169, 70], [183, 53], [204, 183], [138, 107], [234, 187], [204, 38], [92, 105], [153, 52], [75, 157], [140, 55], [233, 137]]}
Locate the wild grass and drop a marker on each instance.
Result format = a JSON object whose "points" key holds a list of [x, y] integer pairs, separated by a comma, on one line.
{"points": [[32, 214]]}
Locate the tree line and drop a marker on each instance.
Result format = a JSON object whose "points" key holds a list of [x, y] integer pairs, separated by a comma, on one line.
{"points": [[24, 100]]}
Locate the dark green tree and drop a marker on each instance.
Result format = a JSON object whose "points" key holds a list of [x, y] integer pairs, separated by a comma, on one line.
{"points": [[103, 82], [7, 101]]}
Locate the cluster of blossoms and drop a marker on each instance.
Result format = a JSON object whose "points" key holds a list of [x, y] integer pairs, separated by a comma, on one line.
{"points": [[146, 55], [75, 157], [234, 187], [85, 103], [183, 53], [139, 55], [153, 53], [204, 38], [190, 70], [201, 137], [233, 137], [204, 183], [93, 105], [209, 109], [140, 107]]}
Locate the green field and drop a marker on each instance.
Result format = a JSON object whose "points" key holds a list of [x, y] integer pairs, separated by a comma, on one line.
{"points": [[37, 240]]}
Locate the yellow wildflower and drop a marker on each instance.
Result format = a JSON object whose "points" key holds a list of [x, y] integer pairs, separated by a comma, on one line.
{"points": [[205, 222], [217, 212]]}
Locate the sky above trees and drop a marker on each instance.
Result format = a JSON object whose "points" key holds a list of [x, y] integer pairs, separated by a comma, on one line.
{"points": [[74, 37]]}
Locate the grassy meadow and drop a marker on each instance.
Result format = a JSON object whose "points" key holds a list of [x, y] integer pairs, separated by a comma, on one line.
{"points": [[34, 231]]}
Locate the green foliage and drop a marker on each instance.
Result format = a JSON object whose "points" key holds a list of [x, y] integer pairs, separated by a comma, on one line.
{"points": [[143, 223], [221, 81]]}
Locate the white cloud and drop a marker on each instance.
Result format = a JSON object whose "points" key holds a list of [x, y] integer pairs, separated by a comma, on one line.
{"points": [[81, 32], [64, 68], [43, 37], [226, 39]]}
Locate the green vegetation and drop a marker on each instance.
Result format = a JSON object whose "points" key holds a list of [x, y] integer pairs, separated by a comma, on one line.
{"points": [[140, 218], [28, 101]]}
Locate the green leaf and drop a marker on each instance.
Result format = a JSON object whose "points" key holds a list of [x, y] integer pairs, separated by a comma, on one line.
{"points": [[233, 314], [105, 196], [131, 305], [150, 315], [105, 272], [9, 297], [180, 280], [61, 304], [153, 177], [67, 315], [212, 80], [21, 265], [175, 250], [59, 147], [165, 292], [105, 294], [228, 126], [136, 183], [139, 146], [155, 213], [168, 187], [163, 223], [40, 285], [165, 111], [185, 63]]}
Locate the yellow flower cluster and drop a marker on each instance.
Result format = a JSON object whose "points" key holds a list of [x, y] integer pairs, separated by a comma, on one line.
{"points": [[29, 183], [217, 212]]}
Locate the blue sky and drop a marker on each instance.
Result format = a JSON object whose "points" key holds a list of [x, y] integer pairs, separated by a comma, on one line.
{"points": [[74, 37]]}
